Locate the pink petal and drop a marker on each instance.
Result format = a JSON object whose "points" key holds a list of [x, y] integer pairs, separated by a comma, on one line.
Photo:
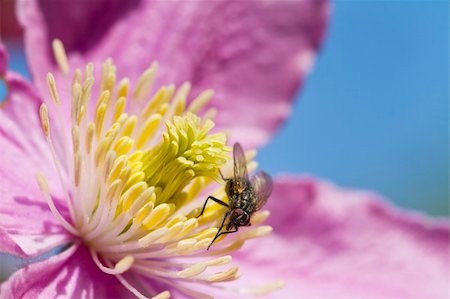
{"points": [[25, 218], [71, 274], [330, 242], [254, 54]]}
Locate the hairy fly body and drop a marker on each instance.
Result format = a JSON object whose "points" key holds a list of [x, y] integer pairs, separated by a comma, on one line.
{"points": [[245, 195]]}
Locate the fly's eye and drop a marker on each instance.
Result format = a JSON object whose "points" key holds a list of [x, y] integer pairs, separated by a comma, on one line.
{"points": [[244, 219], [238, 213], [241, 217]]}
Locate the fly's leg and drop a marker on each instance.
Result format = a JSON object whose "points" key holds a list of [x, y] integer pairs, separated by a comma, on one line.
{"points": [[221, 175], [216, 200], [222, 233], [220, 228]]}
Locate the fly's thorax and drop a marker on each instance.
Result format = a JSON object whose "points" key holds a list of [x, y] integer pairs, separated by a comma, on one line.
{"points": [[240, 194]]}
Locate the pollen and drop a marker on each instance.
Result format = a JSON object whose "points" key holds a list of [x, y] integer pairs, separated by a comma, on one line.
{"points": [[135, 163]]}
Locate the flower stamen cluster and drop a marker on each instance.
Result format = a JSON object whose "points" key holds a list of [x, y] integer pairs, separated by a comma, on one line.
{"points": [[131, 176]]}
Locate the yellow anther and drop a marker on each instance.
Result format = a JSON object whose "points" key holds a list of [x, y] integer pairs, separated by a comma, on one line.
{"points": [[76, 101], [123, 145], [199, 268], [110, 82], [80, 115], [43, 111], [183, 91], [117, 167], [179, 101], [143, 212], [124, 264], [122, 90], [155, 102], [149, 129], [256, 232], [52, 88], [158, 215], [42, 182], [107, 69], [206, 233], [169, 93], [119, 108], [99, 118], [90, 70], [113, 191], [136, 156], [86, 90], [210, 114], [193, 270], [132, 194], [163, 109], [145, 82], [183, 245], [129, 125], [90, 131], [176, 219], [77, 77], [173, 233], [76, 138], [162, 295], [108, 165], [189, 225], [179, 106], [230, 274], [60, 55], [201, 101], [77, 168], [144, 198], [101, 150], [223, 260], [153, 236], [260, 217], [202, 244], [134, 178], [136, 166]]}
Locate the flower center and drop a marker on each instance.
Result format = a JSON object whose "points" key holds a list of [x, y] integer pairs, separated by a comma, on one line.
{"points": [[131, 172]]}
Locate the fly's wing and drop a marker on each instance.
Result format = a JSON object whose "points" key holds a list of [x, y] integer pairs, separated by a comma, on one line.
{"points": [[262, 185], [240, 164]]}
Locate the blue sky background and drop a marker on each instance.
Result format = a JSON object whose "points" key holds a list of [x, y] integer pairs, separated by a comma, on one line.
{"points": [[374, 112]]}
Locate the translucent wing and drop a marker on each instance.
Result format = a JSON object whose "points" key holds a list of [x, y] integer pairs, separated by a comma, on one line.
{"points": [[262, 185], [240, 164]]}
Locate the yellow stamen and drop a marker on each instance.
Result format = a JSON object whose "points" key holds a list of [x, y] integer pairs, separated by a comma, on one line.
{"points": [[145, 82], [157, 216], [52, 88], [162, 295], [228, 275], [122, 90], [44, 120], [60, 56], [201, 101]]}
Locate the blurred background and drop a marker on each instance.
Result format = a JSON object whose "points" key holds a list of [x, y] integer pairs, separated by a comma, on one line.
{"points": [[373, 113]]}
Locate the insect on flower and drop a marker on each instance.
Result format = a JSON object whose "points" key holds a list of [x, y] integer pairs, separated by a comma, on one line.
{"points": [[246, 196]]}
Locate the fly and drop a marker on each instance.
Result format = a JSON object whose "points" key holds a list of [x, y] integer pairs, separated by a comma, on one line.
{"points": [[246, 195]]}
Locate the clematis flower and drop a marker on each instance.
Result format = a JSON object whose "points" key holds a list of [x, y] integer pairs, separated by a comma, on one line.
{"points": [[121, 170]]}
